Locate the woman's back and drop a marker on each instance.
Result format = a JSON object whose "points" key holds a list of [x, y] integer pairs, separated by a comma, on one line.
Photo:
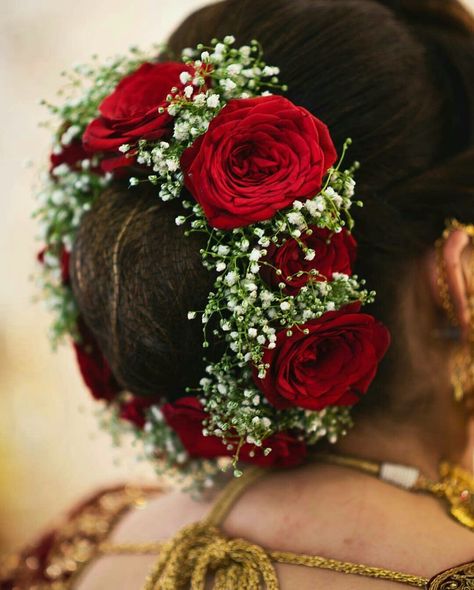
{"points": [[315, 510]]}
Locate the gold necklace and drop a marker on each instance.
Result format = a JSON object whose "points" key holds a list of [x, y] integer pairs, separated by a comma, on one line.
{"points": [[455, 486]]}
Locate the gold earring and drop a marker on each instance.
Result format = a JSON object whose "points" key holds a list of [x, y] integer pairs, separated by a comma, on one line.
{"points": [[462, 364]]}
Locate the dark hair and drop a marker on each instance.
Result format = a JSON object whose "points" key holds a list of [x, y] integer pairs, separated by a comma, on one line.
{"points": [[395, 76]]}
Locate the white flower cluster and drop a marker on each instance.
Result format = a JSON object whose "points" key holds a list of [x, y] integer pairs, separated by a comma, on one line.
{"points": [[67, 192]]}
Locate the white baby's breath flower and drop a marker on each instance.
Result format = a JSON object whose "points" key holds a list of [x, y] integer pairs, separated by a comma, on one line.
{"points": [[173, 110], [295, 218], [266, 296], [199, 100], [61, 170], [229, 39], [188, 91], [254, 268], [223, 250], [255, 254], [71, 132], [270, 71], [250, 286], [349, 187], [315, 206], [181, 131], [124, 148], [310, 254], [191, 315], [244, 244], [228, 85], [213, 101], [180, 220], [338, 200], [231, 278], [234, 69], [172, 164], [157, 414], [266, 422], [285, 305], [185, 77]]}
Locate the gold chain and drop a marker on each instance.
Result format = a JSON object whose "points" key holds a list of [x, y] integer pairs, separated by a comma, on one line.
{"points": [[287, 558], [455, 486]]}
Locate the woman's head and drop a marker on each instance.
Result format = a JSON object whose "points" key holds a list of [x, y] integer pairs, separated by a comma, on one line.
{"points": [[394, 76]]}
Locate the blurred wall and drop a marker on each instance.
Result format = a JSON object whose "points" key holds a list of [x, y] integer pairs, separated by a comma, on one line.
{"points": [[51, 451]]}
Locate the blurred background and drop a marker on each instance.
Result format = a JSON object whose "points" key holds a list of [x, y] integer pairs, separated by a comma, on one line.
{"points": [[51, 450]]}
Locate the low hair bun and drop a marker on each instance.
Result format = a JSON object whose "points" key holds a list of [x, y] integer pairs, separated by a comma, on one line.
{"points": [[135, 276]]}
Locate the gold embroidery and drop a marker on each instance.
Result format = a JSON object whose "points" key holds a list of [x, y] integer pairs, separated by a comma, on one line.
{"points": [[459, 492], [73, 545], [456, 578]]}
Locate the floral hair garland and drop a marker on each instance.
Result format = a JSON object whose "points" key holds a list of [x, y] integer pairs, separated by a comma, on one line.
{"points": [[263, 185]]}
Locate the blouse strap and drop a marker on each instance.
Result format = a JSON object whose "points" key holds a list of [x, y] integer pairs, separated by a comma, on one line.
{"points": [[230, 494]]}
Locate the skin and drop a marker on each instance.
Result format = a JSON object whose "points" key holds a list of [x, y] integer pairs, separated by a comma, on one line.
{"points": [[337, 512]]}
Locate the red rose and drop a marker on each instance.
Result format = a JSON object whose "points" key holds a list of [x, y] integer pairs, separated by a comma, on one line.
{"points": [[70, 154], [186, 417], [131, 112], [134, 410], [257, 157], [94, 367], [332, 365], [335, 252]]}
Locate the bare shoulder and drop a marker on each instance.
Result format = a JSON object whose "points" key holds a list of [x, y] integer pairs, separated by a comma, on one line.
{"points": [[349, 518]]}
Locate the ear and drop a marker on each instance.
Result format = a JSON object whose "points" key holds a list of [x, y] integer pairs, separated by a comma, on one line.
{"points": [[453, 252]]}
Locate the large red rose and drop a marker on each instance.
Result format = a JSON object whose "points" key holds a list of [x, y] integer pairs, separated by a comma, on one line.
{"points": [[186, 418], [95, 369], [257, 157], [332, 365], [131, 112], [334, 252]]}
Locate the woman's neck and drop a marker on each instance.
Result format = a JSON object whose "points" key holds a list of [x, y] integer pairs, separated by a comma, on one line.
{"points": [[442, 432]]}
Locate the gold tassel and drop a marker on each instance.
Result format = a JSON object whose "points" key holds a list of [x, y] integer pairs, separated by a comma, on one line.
{"points": [[200, 552]]}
